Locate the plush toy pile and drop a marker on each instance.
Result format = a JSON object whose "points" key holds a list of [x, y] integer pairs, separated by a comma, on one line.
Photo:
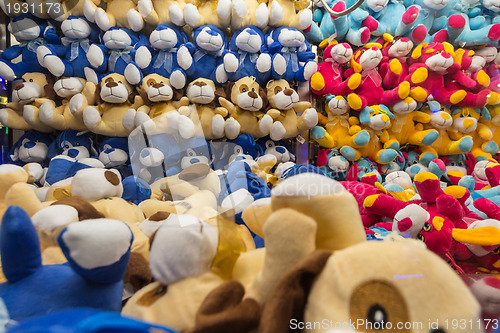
{"points": [[160, 174]]}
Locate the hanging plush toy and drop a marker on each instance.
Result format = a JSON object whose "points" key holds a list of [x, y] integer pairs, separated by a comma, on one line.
{"points": [[118, 54], [248, 56], [30, 32], [292, 57], [329, 77]]}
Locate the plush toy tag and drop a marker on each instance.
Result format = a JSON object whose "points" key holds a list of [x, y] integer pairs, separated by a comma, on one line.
{"points": [[300, 139]]}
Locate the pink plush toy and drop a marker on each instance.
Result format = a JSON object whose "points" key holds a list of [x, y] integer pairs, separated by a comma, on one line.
{"points": [[329, 77], [371, 92]]}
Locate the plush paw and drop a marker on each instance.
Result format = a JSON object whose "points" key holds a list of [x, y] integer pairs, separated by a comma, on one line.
{"points": [[362, 138], [184, 58], [456, 21], [354, 81], [465, 144], [419, 94], [387, 155], [91, 75], [178, 79], [91, 116], [76, 103], [133, 74], [420, 75], [220, 75], [102, 20], [404, 89], [494, 33], [29, 114], [239, 8], [95, 56], [275, 13], [230, 63], [430, 137], [172, 120], [145, 7], [483, 78], [309, 69], [317, 81], [426, 158], [318, 133], [46, 113], [354, 101], [218, 126], [6, 72], [418, 34], [232, 128], [278, 131], [224, 9], [263, 64], [395, 66], [55, 65], [128, 120], [191, 15], [410, 15], [491, 147], [457, 96], [265, 124], [305, 19], [279, 64], [440, 36], [143, 57], [89, 11], [186, 127], [311, 118], [135, 20], [261, 16], [392, 144], [348, 152], [41, 52], [370, 23], [176, 15]]}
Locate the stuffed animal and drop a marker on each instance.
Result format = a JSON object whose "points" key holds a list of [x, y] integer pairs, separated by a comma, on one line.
{"points": [[135, 190], [279, 149], [115, 13], [113, 153], [329, 77], [376, 120], [200, 13], [73, 144], [333, 164], [339, 129], [69, 59], [492, 124], [474, 67], [27, 97], [292, 59], [370, 91], [243, 147], [245, 13], [167, 58], [245, 100], [284, 106], [93, 281], [289, 14], [118, 53], [114, 97], [431, 22], [32, 147], [30, 32], [156, 12], [60, 117], [248, 56]]}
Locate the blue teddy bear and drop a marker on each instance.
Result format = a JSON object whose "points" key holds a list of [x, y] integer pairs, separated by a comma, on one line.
{"points": [[292, 59], [279, 149], [92, 278], [118, 54], [32, 147], [167, 59], [248, 56], [30, 32], [204, 57], [242, 147], [75, 144], [113, 153], [70, 59]]}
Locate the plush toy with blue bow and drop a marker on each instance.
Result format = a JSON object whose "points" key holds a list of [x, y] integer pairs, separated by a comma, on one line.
{"points": [[30, 32], [207, 51], [167, 59], [32, 147], [97, 252], [248, 56], [78, 35], [292, 59], [117, 54]]}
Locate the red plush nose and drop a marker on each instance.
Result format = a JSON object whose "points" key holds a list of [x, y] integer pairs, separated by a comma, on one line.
{"points": [[347, 46], [374, 48], [405, 40], [446, 55], [405, 224]]}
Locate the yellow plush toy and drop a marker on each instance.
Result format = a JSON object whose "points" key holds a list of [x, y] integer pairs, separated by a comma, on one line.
{"points": [[249, 12], [202, 12], [156, 12], [111, 13], [287, 13], [284, 103]]}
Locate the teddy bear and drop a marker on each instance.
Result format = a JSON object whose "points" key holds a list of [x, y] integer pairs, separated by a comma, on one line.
{"points": [[156, 12], [70, 58], [431, 22], [157, 110], [370, 91], [118, 53], [245, 100], [249, 12], [248, 56], [113, 98], [289, 14], [474, 67], [339, 129], [111, 13], [31, 147], [198, 13], [113, 153], [375, 120], [284, 105], [333, 164], [74, 144], [27, 97], [30, 32], [60, 117], [86, 278], [207, 117], [329, 77], [167, 58], [292, 59], [243, 147]]}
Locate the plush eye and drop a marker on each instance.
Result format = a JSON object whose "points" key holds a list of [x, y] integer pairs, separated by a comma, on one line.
{"points": [[247, 152], [277, 90], [460, 163], [421, 237], [243, 88], [496, 251], [191, 152], [66, 146], [253, 89], [366, 169], [109, 79], [415, 161], [453, 163], [238, 150], [106, 146], [151, 82], [269, 144], [119, 81], [78, 144], [31, 80], [376, 314], [37, 140], [427, 227]]}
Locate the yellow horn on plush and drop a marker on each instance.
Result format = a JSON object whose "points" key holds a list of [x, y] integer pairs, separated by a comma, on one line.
{"points": [[483, 236]]}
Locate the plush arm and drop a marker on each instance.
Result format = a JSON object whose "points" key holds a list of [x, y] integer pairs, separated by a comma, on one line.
{"points": [[463, 79], [484, 132], [421, 117], [11, 52], [382, 204], [322, 120], [231, 108], [301, 106]]}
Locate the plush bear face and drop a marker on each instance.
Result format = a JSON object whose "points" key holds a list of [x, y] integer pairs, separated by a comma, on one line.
{"points": [[400, 178], [480, 169], [436, 4], [413, 165], [493, 5], [280, 95], [163, 39], [69, 86], [366, 166], [35, 85], [368, 58], [340, 53], [280, 152], [201, 91], [456, 163], [337, 163], [465, 120], [489, 53], [377, 5], [24, 29], [440, 119], [210, 39], [477, 63], [113, 152], [33, 147], [337, 105], [195, 155], [74, 145], [75, 28], [379, 117], [291, 38], [245, 94], [114, 89], [400, 48], [249, 41], [405, 106], [436, 58], [116, 39], [157, 88]]}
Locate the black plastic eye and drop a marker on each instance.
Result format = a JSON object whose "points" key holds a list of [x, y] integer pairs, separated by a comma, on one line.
{"points": [[78, 144], [421, 237], [31, 80], [427, 227], [66, 146], [496, 251], [377, 314]]}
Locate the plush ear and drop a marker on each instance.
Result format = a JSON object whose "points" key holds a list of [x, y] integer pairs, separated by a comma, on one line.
{"points": [[49, 88], [229, 88], [289, 297], [97, 94], [352, 175], [449, 48], [144, 95], [263, 95], [364, 116], [131, 96], [220, 92], [417, 52], [178, 94]]}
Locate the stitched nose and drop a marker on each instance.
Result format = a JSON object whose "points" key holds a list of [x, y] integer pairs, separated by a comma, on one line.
{"points": [[445, 116], [157, 85], [280, 150], [19, 86], [73, 153], [374, 48], [29, 144], [111, 84], [288, 92], [252, 94], [200, 84], [446, 55], [144, 153], [194, 160]]}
